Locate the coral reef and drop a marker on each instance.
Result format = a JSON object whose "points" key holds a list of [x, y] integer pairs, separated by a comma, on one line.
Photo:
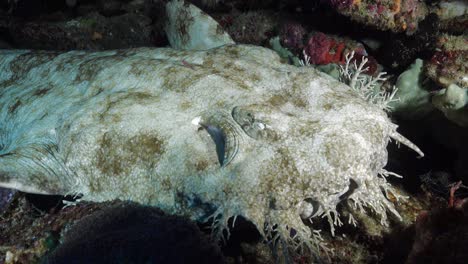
{"points": [[252, 27], [6, 195], [394, 15], [448, 68], [292, 36], [131, 233], [423, 43], [449, 64], [441, 236], [414, 101], [399, 51], [452, 102], [28, 234], [322, 49], [453, 15], [93, 31]]}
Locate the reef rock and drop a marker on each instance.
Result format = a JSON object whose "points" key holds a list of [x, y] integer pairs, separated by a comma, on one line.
{"points": [[394, 15]]}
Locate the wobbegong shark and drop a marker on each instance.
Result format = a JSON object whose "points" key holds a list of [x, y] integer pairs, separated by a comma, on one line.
{"points": [[208, 129]]}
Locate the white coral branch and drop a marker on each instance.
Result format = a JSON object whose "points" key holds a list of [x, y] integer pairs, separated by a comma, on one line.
{"points": [[306, 61], [365, 86]]}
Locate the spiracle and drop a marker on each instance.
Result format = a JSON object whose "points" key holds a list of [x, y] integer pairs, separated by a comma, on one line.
{"points": [[224, 133]]}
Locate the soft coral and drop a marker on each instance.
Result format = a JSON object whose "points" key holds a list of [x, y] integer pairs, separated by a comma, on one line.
{"points": [[323, 49]]}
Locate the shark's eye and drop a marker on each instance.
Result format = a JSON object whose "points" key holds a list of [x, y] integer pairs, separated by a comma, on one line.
{"points": [[243, 117], [253, 127]]}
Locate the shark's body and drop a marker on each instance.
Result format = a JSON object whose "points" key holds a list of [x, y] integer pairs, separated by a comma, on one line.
{"points": [[223, 132]]}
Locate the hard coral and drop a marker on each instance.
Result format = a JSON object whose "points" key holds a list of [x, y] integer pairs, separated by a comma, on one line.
{"points": [[292, 36], [6, 196], [340, 4], [449, 65], [394, 15], [254, 27], [399, 51], [131, 233], [441, 236]]}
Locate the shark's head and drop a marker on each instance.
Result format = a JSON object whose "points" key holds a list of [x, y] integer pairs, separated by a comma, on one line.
{"points": [[303, 152]]}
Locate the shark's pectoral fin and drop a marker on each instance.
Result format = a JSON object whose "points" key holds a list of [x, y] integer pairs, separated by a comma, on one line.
{"points": [[14, 182], [189, 28], [36, 173]]}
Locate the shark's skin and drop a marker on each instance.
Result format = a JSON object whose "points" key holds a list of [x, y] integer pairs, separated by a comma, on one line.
{"points": [[136, 124]]}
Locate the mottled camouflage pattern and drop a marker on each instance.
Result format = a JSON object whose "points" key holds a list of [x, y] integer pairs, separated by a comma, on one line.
{"points": [[135, 124]]}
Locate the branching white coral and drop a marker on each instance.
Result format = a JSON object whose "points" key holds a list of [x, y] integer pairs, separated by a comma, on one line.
{"points": [[306, 61], [367, 87]]}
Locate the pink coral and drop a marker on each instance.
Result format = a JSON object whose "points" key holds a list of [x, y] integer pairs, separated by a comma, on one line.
{"points": [[323, 49]]}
